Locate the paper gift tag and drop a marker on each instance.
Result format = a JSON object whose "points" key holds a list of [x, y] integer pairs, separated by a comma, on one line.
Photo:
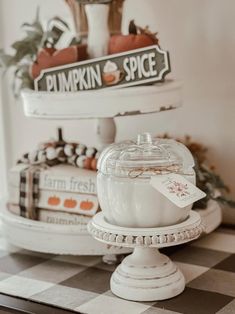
{"points": [[177, 189]]}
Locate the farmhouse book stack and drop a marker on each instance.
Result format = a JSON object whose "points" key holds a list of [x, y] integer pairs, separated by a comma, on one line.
{"points": [[67, 195]]}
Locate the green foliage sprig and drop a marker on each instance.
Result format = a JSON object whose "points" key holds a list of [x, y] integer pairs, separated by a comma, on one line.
{"points": [[206, 177], [25, 52]]}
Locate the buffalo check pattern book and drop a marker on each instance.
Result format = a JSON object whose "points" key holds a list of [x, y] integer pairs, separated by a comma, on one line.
{"points": [[81, 283]]}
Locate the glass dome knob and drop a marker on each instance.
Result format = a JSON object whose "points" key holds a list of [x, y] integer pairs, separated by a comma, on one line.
{"points": [[144, 138]]}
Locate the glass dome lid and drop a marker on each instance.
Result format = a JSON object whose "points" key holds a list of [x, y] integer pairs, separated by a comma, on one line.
{"points": [[145, 157]]}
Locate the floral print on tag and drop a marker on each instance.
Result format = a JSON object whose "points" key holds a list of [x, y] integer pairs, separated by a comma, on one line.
{"points": [[178, 188]]}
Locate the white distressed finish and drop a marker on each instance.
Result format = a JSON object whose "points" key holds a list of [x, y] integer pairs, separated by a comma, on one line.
{"points": [[106, 103], [103, 105], [146, 274], [51, 238], [57, 239], [211, 216]]}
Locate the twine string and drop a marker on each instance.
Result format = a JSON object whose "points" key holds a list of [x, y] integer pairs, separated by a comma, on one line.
{"points": [[135, 173]]}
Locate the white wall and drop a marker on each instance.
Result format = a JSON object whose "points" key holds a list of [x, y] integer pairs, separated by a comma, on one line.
{"points": [[200, 36]]}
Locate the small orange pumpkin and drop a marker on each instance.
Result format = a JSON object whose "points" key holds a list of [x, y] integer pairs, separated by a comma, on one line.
{"points": [[53, 201], [50, 57], [137, 38], [94, 164], [70, 203], [87, 163], [86, 205]]}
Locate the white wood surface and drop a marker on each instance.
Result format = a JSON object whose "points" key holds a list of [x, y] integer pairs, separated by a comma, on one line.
{"points": [[57, 239], [51, 238], [107, 103], [185, 231], [211, 216], [103, 105], [146, 274]]}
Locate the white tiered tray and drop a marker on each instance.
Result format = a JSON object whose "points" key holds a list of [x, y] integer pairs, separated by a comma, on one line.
{"points": [[51, 238], [59, 239], [103, 103]]}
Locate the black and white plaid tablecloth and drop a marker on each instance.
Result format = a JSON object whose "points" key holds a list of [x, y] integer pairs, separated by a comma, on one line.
{"points": [[81, 284]]}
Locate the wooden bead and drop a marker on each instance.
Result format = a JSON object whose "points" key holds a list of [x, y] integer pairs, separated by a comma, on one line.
{"points": [[87, 163], [69, 150], [50, 153], [32, 157], [25, 158], [119, 238], [41, 156], [80, 161], [80, 149], [73, 160], [60, 154], [90, 152]]}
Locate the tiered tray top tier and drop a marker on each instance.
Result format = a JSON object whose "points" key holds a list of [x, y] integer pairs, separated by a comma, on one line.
{"points": [[107, 103]]}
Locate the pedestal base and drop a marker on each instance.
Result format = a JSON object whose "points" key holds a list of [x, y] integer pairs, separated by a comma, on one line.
{"points": [[147, 275]]}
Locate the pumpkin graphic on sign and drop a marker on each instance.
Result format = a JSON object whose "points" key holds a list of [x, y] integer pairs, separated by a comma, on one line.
{"points": [[70, 203], [86, 205], [53, 201]]}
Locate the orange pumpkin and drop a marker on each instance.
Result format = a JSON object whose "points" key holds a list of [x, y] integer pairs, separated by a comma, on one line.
{"points": [[70, 203], [94, 164], [53, 201], [50, 57], [87, 163], [137, 38], [86, 205]]}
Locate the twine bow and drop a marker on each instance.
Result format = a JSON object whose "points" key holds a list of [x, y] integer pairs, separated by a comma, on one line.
{"points": [[135, 173]]}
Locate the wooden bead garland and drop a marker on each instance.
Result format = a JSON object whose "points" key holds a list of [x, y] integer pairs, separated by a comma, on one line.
{"points": [[61, 152]]}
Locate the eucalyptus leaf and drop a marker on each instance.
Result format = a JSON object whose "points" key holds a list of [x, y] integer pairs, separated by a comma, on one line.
{"points": [[225, 201], [206, 177], [5, 59], [34, 36]]}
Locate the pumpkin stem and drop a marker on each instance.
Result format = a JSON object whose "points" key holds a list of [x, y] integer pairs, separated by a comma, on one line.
{"points": [[146, 31], [132, 28], [60, 135]]}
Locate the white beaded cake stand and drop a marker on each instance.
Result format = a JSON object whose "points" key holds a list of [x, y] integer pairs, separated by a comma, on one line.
{"points": [[146, 274]]}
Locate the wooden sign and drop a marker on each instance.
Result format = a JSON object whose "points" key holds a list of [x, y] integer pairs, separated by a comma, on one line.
{"points": [[135, 67]]}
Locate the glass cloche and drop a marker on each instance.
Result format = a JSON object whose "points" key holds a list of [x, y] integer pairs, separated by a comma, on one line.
{"points": [[124, 171]]}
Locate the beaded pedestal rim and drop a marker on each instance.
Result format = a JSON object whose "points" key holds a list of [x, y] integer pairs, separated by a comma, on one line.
{"points": [[113, 235]]}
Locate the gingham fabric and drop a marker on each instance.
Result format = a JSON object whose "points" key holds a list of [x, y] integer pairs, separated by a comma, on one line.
{"points": [[81, 283], [29, 192]]}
